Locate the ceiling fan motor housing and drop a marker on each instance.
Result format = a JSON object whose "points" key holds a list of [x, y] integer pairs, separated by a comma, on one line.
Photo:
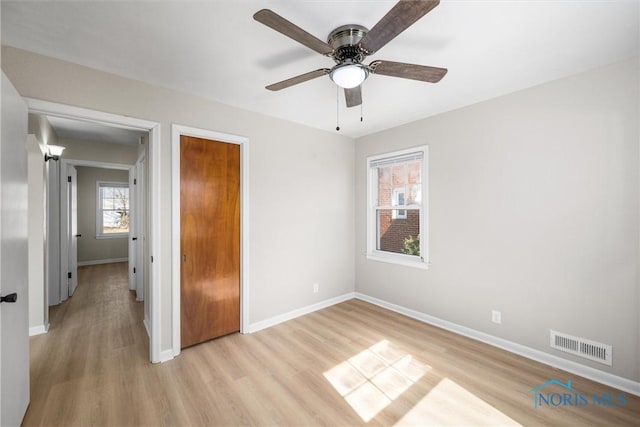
{"points": [[344, 40]]}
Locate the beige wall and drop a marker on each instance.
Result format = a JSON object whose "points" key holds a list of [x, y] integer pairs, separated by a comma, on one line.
{"points": [[307, 170], [533, 212], [90, 248], [41, 128], [98, 151], [42, 237]]}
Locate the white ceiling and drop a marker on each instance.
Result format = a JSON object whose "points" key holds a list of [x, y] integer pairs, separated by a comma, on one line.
{"points": [[215, 49]]}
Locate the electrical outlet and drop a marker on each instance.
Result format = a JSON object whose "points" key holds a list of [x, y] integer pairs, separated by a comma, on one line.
{"points": [[316, 287], [496, 316]]}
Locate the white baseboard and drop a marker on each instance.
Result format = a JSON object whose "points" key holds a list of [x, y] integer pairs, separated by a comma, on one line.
{"points": [[611, 380], [38, 330], [165, 356], [102, 261], [272, 321]]}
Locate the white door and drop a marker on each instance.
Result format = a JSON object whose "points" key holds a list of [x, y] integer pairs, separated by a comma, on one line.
{"points": [[14, 317], [133, 239], [72, 186], [141, 227]]}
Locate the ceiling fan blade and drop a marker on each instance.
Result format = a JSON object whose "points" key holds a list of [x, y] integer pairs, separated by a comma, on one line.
{"points": [[398, 19], [353, 96], [408, 71], [281, 25], [299, 79]]}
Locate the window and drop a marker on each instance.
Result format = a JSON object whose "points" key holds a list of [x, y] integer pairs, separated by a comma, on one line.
{"points": [[112, 213], [397, 207]]}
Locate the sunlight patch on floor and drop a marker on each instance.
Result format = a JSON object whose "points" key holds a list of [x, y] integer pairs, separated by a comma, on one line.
{"points": [[373, 378], [450, 404]]}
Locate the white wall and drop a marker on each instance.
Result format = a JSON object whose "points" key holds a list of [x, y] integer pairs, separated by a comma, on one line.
{"points": [[98, 151], [38, 302], [41, 200], [89, 248], [301, 182], [533, 212]]}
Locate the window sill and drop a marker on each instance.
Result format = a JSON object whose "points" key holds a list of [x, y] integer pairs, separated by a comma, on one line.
{"points": [[112, 236], [399, 260]]}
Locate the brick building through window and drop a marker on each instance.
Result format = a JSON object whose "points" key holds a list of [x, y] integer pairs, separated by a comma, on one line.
{"points": [[399, 185]]}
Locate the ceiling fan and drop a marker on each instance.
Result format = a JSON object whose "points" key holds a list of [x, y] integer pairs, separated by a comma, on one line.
{"points": [[349, 45]]}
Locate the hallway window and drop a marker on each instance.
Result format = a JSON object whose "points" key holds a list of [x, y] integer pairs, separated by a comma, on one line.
{"points": [[112, 213]]}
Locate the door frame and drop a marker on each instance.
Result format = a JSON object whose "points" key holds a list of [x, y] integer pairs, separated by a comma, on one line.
{"points": [[65, 214], [132, 246], [38, 106], [139, 218], [243, 142]]}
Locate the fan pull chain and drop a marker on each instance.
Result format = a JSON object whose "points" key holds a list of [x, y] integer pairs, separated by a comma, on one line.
{"points": [[337, 108], [361, 111]]}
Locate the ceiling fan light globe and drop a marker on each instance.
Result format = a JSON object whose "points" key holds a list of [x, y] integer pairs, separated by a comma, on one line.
{"points": [[349, 76]]}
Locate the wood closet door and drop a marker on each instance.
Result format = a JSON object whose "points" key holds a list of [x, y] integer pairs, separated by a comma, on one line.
{"points": [[209, 240]]}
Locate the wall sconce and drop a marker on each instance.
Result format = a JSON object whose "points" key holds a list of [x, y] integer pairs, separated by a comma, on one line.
{"points": [[53, 152]]}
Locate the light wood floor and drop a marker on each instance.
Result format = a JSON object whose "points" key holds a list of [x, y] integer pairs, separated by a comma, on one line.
{"points": [[350, 364]]}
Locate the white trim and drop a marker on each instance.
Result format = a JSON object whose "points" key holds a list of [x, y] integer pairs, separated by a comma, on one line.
{"points": [[113, 236], [94, 164], [38, 330], [588, 372], [165, 356], [155, 281], [100, 210], [399, 259], [145, 322], [139, 229], [102, 261], [272, 321], [176, 132], [38, 106], [55, 109]]}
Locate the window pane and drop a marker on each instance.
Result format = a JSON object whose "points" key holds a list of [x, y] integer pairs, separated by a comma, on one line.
{"points": [[115, 222], [384, 186], [414, 194], [121, 198], [107, 204], [106, 192], [398, 231], [400, 184]]}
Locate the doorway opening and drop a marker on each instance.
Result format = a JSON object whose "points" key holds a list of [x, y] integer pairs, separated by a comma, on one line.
{"points": [[143, 167]]}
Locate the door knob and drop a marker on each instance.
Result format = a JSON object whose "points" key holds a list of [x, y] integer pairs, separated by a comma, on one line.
{"points": [[9, 298], [134, 238], [78, 235]]}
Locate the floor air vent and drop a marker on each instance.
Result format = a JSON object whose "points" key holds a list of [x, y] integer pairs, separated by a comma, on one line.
{"points": [[582, 347]]}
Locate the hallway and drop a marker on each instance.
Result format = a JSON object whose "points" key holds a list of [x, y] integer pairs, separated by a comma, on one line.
{"points": [[89, 362]]}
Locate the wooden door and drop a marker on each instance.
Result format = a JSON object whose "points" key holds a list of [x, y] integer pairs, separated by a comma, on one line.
{"points": [[209, 239]]}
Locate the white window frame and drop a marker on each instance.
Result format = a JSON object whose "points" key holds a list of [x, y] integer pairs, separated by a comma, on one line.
{"points": [[99, 216], [373, 253]]}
